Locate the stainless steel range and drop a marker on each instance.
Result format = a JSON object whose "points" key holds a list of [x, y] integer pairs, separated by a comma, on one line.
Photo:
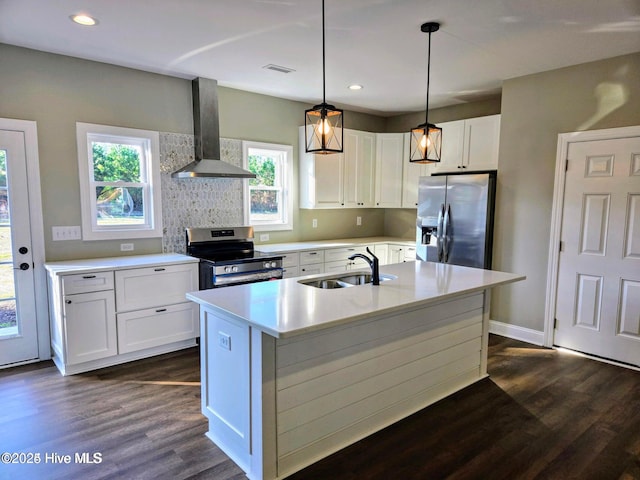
{"points": [[227, 257]]}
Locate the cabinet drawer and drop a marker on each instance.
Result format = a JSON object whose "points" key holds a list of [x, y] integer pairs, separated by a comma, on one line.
{"points": [[157, 326], [290, 272], [336, 254], [290, 259], [154, 286], [87, 282], [311, 269], [307, 258]]}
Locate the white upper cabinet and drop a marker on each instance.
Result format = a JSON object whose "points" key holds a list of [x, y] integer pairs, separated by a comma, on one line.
{"points": [[410, 175], [470, 145], [482, 142], [389, 168], [339, 180], [359, 173], [321, 178]]}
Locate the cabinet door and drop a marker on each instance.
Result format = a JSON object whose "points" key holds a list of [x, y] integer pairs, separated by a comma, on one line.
{"points": [[157, 326], [161, 285], [389, 163], [452, 146], [321, 178], [482, 139], [328, 185], [381, 250], [359, 168], [411, 172], [396, 254], [90, 326]]}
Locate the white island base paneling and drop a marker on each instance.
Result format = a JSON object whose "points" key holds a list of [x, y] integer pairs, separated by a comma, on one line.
{"points": [[315, 393]]}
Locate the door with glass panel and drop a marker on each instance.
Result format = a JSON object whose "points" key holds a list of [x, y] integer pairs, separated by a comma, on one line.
{"points": [[18, 327]]}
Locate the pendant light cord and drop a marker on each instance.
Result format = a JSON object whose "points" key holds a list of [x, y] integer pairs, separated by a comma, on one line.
{"points": [[323, 67], [426, 120]]}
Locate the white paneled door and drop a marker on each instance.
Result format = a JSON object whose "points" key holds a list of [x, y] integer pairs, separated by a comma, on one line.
{"points": [[18, 326], [598, 289]]}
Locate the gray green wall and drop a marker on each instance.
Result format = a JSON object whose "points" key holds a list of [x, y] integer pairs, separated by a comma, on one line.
{"points": [[535, 109], [58, 91]]}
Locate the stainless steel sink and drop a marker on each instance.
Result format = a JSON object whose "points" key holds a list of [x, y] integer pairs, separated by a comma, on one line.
{"points": [[328, 283], [343, 281], [362, 278]]}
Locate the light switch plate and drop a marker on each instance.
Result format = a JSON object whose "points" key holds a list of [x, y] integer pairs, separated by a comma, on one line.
{"points": [[66, 233]]}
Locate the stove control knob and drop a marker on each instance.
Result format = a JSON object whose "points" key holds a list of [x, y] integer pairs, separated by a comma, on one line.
{"points": [[227, 269], [234, 269]]}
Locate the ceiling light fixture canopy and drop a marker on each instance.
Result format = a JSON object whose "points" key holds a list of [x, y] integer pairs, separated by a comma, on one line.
{"points": [[426, 138], [323, 123]]}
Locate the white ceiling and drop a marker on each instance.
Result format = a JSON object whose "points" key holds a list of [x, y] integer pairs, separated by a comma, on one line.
{"points": [[376, 43]]}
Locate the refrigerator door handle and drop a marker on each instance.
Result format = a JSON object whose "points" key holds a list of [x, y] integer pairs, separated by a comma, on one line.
{"points": [[440, 233], [446, 241]]}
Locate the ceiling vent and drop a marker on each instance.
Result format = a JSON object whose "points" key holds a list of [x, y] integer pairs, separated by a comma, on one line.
{"points": [[278, 68]]}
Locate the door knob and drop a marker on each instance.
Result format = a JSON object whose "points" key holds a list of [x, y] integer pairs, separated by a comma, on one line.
{"points": [[23, 250], [24, 266]]}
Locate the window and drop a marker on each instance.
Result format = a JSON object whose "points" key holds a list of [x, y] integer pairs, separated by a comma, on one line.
{"points": [[119, 182], [268, 204]]}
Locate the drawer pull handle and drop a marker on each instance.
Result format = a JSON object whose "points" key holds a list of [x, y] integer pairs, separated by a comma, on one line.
{"points": [[87, 277], [161, 310], [313, 253], [68, 302], [159, 269]]}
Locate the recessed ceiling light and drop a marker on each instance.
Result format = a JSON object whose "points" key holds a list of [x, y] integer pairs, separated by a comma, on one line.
{"points": [[82, 19], [355, 87]]}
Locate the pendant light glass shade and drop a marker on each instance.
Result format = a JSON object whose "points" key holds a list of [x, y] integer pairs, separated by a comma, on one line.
{"points": [[323, 126], [426, 139], [426, 144], [323, 123]]}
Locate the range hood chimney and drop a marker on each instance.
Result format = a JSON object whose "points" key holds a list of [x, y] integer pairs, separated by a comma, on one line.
{"points": [[206, 129]]}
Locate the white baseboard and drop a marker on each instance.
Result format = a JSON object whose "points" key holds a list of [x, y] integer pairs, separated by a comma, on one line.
{"points": [[518, 333]]}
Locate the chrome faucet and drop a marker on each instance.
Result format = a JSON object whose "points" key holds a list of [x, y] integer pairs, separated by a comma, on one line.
{"points": [[373, 263]]}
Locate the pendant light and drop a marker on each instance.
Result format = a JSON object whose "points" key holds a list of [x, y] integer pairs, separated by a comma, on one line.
{"points": [[323, 122], [426, 138]]}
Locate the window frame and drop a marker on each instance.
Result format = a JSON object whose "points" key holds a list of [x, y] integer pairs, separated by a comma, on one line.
{"points": [[149, 142], [287, 185]]}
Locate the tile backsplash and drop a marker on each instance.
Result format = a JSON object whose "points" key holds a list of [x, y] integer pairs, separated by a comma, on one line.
{"points": [[196, 202]]}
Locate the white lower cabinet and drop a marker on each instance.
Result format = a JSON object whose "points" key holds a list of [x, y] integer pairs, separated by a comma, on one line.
{"points": [[290, 261], [90, 324], [101, 318], [156, 326], [311, 262]]}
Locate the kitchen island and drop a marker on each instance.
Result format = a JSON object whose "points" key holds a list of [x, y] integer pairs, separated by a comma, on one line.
{"points": [[292, 373]]}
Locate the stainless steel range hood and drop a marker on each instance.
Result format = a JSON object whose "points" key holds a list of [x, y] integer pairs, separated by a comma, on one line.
{"points": [[206, 130]]}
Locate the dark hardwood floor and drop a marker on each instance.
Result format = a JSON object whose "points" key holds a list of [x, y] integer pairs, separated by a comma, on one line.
{"points": [[542, 414]]}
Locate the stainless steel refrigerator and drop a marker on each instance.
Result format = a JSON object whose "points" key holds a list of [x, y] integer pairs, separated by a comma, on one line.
{"points": [[455, 218]]}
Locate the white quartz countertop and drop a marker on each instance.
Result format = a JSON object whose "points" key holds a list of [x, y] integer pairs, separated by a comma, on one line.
{"points": [[116, 263], [322, 244], [284, 308]]}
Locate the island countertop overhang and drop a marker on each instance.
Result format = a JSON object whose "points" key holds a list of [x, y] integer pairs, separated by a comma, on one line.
{"points": [[286, 308]]}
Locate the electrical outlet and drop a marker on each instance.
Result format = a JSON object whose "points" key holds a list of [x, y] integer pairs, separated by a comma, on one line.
{"points": [[224, 340], [314, 223], [126, 247], [359, 221], [264, 237]]}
